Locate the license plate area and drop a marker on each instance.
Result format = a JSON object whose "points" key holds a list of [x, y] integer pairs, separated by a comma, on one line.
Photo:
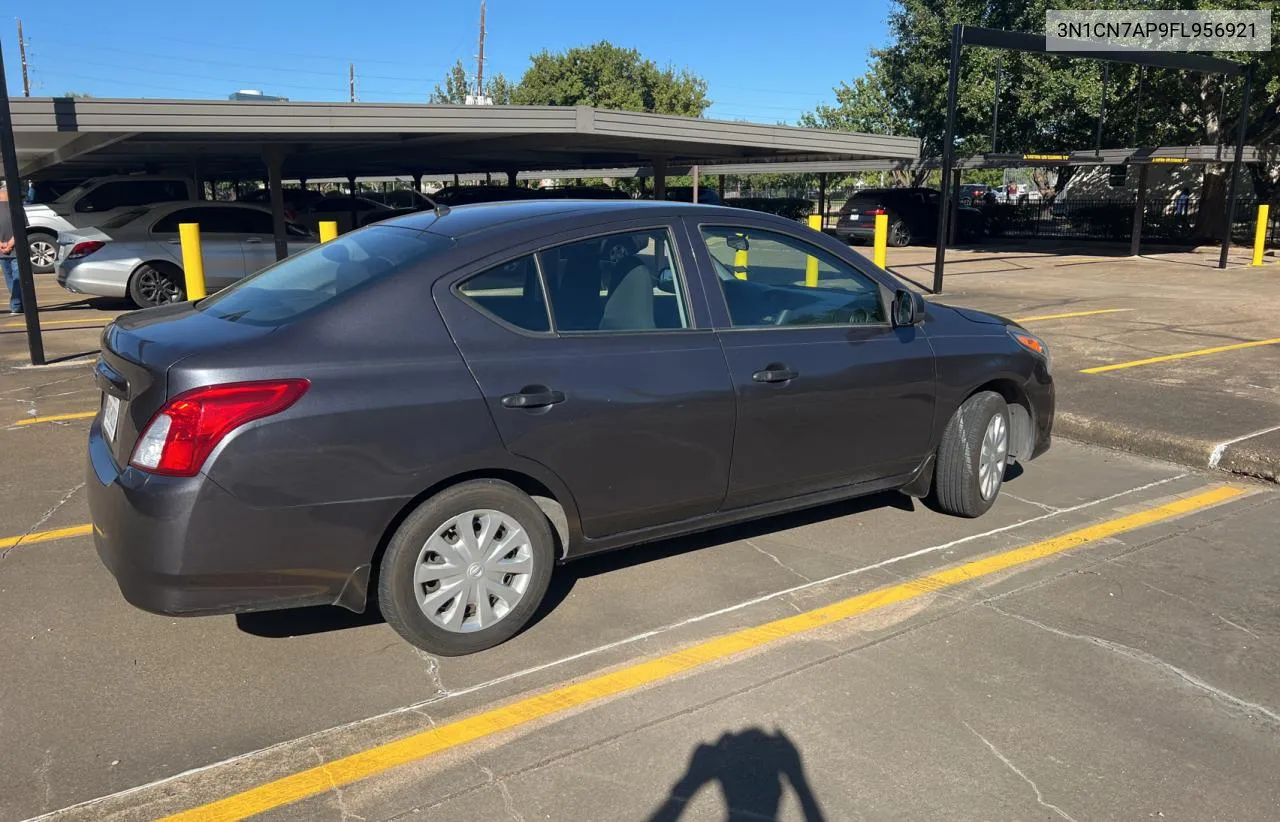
{"points": [[110, 416]]}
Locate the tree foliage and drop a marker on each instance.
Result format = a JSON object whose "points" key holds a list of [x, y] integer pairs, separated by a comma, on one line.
{"points": [[1047, 103], [458, 84], [608, 76]]}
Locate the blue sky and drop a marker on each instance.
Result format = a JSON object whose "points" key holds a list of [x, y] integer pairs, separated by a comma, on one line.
{"points": [[763, 61]]}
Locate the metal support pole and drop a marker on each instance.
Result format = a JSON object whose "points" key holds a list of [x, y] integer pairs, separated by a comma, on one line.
{"points": [[511, 179], [660, 178], [275, 163], [18, 216], [948, 154], [1102, 107], [417, 183], [694, 171], [995, 114], [1139, 211], [1137, 114], [955, 206], [822, 199], [720, 183], [351, 201], [1235, 166]]}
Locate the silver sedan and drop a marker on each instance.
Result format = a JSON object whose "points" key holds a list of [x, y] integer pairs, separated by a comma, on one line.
{"points": [[137, 254]]}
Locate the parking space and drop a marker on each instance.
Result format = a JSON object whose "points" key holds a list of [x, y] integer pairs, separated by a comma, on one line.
{"points": [[111, 698]]}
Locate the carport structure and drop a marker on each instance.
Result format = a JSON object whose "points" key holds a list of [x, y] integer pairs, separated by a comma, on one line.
{"points": [[69, 138]]}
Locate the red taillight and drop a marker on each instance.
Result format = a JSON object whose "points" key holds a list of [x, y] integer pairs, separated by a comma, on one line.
{"points": [[84, 249], [876, 211], [182, 434]]}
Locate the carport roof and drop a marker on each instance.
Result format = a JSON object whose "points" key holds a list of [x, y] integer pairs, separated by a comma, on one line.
{"points": [[62, 137]]}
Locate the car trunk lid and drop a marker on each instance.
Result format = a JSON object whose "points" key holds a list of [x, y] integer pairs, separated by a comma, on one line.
{"points": [[137, 352]]}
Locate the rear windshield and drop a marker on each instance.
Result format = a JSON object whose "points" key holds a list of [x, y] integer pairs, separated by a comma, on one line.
{"points": [[307, 281]]}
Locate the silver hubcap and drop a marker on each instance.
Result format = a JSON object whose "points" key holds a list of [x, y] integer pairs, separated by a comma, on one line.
{"points": [[42, 252], [995, 452], [473, 571]]}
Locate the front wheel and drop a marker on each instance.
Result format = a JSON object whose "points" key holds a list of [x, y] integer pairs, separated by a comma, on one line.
{"points": [[467, 569], [972, 456]]}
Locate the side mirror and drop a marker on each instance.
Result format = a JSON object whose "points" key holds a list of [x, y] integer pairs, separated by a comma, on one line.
{"points": [[667, 281], [737, 242], [908, 309]]}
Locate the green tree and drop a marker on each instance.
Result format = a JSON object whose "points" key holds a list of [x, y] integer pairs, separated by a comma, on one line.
{"points": [[458, 84], [77, 95], [608, 76]]}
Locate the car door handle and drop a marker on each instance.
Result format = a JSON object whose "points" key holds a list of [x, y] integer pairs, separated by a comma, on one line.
{"points": [[775, 373], [174, 241], [253, 239], [533, 398]]}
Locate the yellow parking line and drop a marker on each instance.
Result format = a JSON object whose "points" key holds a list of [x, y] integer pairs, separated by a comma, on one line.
{"points": [[364, 764], [47, 536], [78, 415], [43, 323], [1169, 357], [1072, 314]]}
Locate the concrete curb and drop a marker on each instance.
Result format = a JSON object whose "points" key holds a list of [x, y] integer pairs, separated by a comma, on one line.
{"points": [[1237, 459]]}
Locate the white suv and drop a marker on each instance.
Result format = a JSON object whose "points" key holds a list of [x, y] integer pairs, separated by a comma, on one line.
{"points": [[90, 203]]}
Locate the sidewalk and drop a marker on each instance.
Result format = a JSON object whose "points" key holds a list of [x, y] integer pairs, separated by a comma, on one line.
{"points": [[1217, 409]]}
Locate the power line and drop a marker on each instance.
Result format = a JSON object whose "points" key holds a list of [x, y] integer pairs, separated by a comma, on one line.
{"points": [[22, 47]]}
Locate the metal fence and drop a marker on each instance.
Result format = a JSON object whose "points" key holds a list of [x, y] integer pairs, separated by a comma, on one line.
{"points": [[1171, 221]]}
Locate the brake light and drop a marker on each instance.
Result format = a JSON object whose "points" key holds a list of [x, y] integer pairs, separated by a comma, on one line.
{"points": [[876, 212], [84, 249], [182, 434]]}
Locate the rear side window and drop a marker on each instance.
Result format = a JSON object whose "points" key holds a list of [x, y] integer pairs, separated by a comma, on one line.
{"points": [[304, 282], [512, 292]]}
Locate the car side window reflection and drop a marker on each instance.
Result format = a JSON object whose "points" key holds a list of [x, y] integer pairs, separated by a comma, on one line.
{"points": [[512, 292], [770, 279], [618, 282]]}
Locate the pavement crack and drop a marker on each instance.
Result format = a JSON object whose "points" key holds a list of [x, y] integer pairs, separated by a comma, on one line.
{"points": [[780, 563], [337, 791], [1201, 607], [433, 671], [45, 517], [1052, 509], [1009, 764], [1250, 709], [497, 782], [42, 774]]}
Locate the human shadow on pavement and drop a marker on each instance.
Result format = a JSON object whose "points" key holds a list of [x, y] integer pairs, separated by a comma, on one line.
{"points": [[751, 767]]}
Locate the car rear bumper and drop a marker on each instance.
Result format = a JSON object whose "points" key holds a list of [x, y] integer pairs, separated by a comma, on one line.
{"points": [[185, 546], [847, 232]]}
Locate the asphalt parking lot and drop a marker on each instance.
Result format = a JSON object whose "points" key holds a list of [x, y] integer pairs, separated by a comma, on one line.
{"points": [[1101, 645]]}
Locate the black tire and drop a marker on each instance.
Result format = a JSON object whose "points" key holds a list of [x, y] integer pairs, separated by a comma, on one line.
{"points": [[899, 233], [396, 588], [155, 284], [44, 247], [956, 488]]}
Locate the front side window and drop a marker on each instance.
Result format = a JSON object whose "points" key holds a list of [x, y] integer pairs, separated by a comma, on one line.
{"points": [[306, 281], [771, 279], [511, 292], [619, 282]]}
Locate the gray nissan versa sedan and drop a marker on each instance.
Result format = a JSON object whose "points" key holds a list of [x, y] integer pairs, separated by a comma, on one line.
{"points": [[427, 415]]}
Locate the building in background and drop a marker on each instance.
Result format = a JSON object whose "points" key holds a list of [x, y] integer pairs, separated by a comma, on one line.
{"points": [[256, 95]]}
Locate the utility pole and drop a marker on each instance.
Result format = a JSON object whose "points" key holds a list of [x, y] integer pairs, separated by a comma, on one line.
{"points": [[22, 49], [351, 80], [480, 58]]}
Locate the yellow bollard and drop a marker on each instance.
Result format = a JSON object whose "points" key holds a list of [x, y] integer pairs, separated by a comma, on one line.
{"points": [[880, 256], [740, 264], [811, 264], [1260, 233], [192, 260], [328, 230]]}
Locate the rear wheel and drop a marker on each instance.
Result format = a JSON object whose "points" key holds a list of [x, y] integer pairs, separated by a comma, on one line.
{"points": [[467, 569], [972, 456], [156, 284], [899, 233], [44, 251]]}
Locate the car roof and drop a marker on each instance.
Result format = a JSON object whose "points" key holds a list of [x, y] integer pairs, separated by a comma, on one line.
{"points": [[463, 220]]}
